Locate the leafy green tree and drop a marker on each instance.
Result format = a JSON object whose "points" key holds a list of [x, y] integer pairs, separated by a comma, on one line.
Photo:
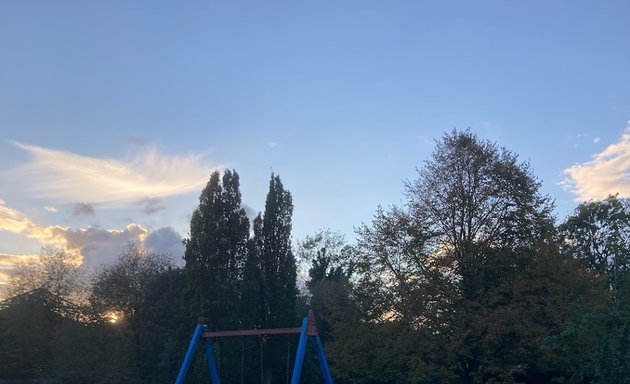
{"points": [[25, 352], [252, 289], [597, 235], [402, 294], [465, 267], [118, 290], [330, 259], [216, 251], [276, 256], [93, 352], [473, 194], [158, 359], [120, 293], [327, 254], [400, 271], [215, 257], [528, 296], [270, 248]]}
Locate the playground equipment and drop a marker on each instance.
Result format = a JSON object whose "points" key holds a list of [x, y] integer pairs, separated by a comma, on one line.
{"points": [[308, 328]]}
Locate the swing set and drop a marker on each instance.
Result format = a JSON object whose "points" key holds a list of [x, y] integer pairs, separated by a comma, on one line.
{"points": [[308, 328]]}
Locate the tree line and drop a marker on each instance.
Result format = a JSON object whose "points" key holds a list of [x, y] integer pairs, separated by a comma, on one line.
{"points": [[470, 280]]}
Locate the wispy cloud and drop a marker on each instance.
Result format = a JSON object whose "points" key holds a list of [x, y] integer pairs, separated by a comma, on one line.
{"points": [[607, 173], [76, 178], [51, 209]]}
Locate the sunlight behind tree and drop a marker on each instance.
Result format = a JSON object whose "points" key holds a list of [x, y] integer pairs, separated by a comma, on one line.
{"points": [[56, 270]]}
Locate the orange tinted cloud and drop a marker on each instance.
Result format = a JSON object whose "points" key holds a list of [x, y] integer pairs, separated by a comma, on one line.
{"points": [[96, 245], [15, 221]]}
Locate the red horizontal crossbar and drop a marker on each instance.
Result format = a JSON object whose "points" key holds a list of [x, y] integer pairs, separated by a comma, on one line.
{"points": [[252, 332]]}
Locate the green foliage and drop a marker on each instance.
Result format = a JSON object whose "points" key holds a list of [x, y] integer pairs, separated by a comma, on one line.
{"points": [[277, 262], [473, 192], [164, 330], [216, 251], [94, 353], [466, 277], [215, 257], [597, 235], [119, 289], [327, 254], [269, 287], [252, 289], [24, 352]]}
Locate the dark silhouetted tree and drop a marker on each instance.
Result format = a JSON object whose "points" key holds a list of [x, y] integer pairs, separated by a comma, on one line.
{"points": [[118, 291], [216, 251], [215, 257], [468, 269], [271, 250], [596, 345]]}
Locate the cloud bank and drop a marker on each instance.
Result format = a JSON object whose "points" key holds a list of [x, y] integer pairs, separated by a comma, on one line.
{"points": [[97, 246], [148, 174], [607, 173]]}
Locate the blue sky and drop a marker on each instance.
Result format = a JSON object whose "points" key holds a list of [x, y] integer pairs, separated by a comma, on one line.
{"points": [[126, 107]]}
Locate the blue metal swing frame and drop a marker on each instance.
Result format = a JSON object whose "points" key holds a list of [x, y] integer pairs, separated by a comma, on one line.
{"points": [[307, 329]]}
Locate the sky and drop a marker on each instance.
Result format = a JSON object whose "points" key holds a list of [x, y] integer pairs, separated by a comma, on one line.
{"points": [[114, 114]]}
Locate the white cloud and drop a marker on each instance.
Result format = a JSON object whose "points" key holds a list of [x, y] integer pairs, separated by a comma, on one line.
{"points": [[51, 209], [77, 178], [596, 140], [607, 173]]}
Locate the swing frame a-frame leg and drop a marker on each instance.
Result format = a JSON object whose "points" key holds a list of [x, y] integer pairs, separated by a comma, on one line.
{"points": [[307, 329]]}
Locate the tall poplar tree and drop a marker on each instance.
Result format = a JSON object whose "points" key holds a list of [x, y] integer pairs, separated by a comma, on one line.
{"points": [[276, 256], [216, 252], [271, 250]]}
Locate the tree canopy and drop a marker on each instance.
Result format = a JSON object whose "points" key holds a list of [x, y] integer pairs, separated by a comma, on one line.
{"points": [[468, 280]]}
